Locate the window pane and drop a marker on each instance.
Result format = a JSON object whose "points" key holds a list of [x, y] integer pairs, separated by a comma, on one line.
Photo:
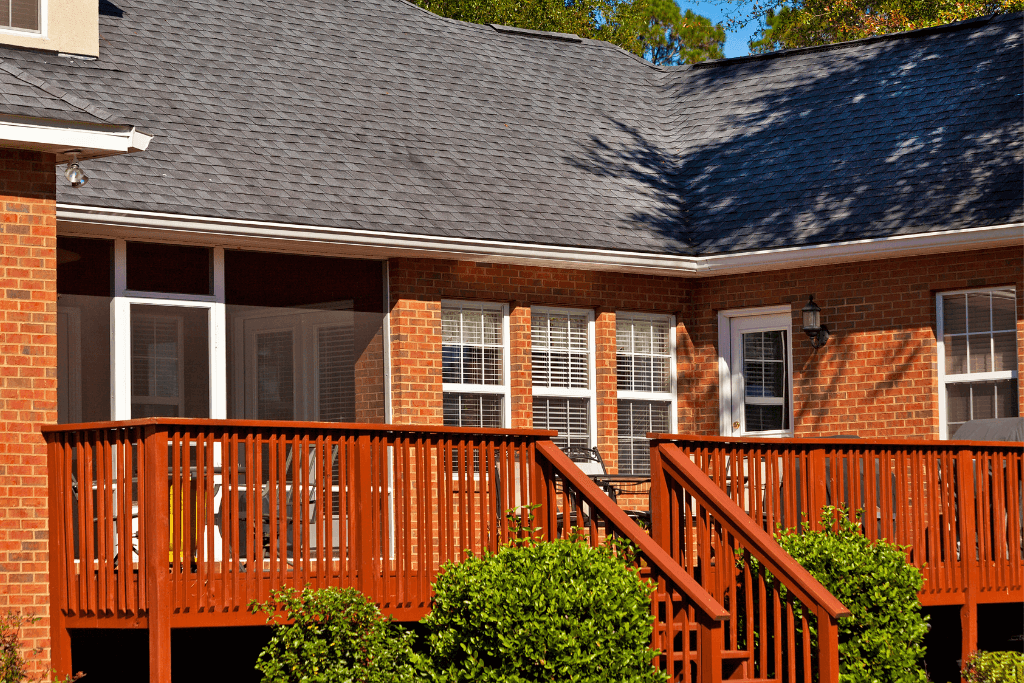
{"points": [[978, 312], [958, 406], [472, 410], [1006, 398], [170, 361], [472, 345], [636, 419], [1005, 344], [1004, 313], [979, 349], [560, 353], [954, 314], [169, 268], [451, 363], [570, 416], [956, 354], [762, 418], [643, 354], [983, 400], [24, 14]]}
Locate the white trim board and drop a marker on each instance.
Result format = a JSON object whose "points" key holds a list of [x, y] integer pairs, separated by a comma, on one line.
{"points": [[57, 137], [338, 241]]}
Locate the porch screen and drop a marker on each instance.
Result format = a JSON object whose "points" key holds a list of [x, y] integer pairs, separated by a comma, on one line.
{"points": [[978, 330]]}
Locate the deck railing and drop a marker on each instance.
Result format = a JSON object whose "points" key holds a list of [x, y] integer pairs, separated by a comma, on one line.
{"points": [[164, 523]]}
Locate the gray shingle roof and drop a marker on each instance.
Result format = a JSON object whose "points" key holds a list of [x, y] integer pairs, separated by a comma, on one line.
{"points": [[375, 114]]}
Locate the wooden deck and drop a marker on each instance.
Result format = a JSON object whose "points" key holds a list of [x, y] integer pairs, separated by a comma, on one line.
{"points": [[161, 524]]}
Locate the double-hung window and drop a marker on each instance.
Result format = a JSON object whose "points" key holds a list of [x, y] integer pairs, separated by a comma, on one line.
{"points": [[977, 333], [562, 357], [645, 367], [474, 364]]}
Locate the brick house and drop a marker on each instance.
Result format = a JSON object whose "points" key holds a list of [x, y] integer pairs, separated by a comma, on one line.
{"points": [[361, 212]]}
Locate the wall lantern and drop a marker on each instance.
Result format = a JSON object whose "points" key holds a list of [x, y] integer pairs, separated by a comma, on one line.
{"points": [[74, 173], [812, 324]]}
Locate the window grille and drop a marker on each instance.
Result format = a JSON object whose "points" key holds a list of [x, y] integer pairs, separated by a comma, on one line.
{"points": [[978, 330]]}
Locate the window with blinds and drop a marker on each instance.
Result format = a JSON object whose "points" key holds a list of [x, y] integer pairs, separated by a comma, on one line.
{"points": [[19, 14], [473, 364], [978, 330], [562, 358], [645, 369]]}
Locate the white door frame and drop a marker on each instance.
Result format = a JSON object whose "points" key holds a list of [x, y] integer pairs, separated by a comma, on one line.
{"points": [[729, 387]]}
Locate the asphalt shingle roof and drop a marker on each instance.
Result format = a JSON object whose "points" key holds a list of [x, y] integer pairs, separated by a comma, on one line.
{"points": [[375, 114]]}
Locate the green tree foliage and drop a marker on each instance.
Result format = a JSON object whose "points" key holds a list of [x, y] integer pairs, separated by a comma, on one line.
{"points": [[654, 29], [882, 641], [560, 611], [995, 667], [805, 23], [674, 37], [333, 636]]}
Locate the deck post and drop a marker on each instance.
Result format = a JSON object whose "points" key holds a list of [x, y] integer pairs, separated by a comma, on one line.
{"points": [[158, 541], [659, 498], [969, 564], [828, 647], [710, 641], [60, 638]]}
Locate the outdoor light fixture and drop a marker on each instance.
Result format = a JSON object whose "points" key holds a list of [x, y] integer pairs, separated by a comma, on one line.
{"points": [[74, 173], [812, 324]]}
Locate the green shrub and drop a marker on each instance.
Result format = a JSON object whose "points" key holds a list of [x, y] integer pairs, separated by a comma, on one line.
{"points": [[334, 636], [13, 667], [994, 667], [560, 611], [882, 642]]}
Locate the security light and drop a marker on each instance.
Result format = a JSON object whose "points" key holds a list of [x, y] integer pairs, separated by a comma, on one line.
{"points": [[74, 173]]}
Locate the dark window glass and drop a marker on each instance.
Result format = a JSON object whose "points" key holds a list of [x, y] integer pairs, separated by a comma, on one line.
{"points": [[169, 268], [84, 266], [23, 14]]}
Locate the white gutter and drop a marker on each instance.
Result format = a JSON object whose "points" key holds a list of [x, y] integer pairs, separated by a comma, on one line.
{"points": [[271, 236], [95, 140]]}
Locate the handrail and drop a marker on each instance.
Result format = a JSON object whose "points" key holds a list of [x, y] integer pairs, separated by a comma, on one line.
{"points": [[654, 553], [757, 541], [834, 440]]}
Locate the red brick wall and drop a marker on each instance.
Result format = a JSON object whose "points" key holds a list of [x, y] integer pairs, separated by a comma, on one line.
{"points": [[876, 377], [878, 374], [28, 384]]}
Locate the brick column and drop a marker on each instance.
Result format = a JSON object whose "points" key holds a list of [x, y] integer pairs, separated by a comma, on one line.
{"points": [[606, 380], [416, 362], [28, 385], [521, 364]]}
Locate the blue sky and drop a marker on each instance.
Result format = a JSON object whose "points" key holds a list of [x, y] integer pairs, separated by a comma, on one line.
{"points": [[718, 10]]}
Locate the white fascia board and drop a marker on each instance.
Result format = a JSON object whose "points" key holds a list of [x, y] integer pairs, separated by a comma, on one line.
{"points": [[57, 137], [336, 241]]}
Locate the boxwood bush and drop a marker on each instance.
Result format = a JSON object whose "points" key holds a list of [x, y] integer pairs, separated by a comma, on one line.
{"points": [[995, 667], [559, 611], [882, 642], [334, 636]]}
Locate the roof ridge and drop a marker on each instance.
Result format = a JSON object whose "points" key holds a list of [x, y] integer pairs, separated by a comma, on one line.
{"points": [[830, 47], [69, 98]]}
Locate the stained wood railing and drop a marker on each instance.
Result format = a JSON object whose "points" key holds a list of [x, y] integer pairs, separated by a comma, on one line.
{"points": [[956, 505], [782, 624], [162, 523]]}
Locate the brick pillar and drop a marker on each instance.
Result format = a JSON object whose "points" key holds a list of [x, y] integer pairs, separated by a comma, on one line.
{"points": [[606, 380], [416, 362], [521, 364], [28, 386]]}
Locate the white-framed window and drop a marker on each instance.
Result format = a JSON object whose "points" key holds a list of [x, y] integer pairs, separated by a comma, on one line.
{"points": [[562, 356], [646, 380], [977, 348], [755, 370], [475, 364], [21, 15]]}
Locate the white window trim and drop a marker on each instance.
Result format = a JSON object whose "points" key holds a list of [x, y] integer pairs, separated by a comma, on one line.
{"points": [[505, 388], [120, 333], [591, 392], [940, 348], [725, 389], [672, 395]]}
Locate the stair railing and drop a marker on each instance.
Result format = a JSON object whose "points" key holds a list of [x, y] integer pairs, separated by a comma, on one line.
{"points": [[688, 621], [783, 624]]}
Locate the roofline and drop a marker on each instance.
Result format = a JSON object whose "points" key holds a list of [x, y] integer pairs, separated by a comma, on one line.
{"points": [[91, 140], [92, 221]]}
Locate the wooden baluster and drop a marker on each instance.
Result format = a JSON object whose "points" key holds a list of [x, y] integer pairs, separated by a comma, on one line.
{"points": [[968, 562]]}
